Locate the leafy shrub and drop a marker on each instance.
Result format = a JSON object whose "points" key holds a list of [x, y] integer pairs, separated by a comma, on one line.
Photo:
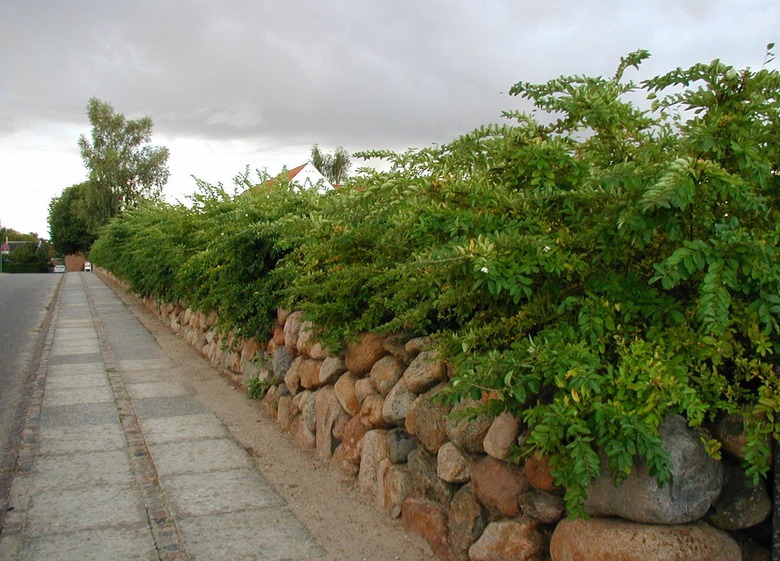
{"points": [[591, 271], [591, 267]]}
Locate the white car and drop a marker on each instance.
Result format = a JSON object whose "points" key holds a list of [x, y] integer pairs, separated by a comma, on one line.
{"points": [[59, 268], [88, 266]]}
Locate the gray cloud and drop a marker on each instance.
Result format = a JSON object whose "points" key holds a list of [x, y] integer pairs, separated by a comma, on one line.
{"points": [[406, 72]]}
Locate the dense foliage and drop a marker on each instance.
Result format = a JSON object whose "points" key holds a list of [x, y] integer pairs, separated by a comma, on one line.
{"points": [[591, 267], [69, 227], [34, 256], [215, 256]]}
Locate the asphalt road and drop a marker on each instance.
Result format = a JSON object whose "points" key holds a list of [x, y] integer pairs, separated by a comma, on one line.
{"points": [[24, 306]]}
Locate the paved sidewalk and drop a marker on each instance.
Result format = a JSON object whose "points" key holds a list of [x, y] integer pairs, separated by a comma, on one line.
{"points": [[119, 461]]}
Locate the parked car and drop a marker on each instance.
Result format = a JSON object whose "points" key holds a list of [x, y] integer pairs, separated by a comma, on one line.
{"points": [[88, 266], [59, 268]]}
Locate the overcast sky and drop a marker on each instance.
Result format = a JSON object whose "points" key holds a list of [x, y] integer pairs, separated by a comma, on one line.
{"points": [[232, 83]]}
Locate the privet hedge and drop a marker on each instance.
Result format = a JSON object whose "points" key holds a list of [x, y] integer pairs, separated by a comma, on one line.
{"points": [[591, 267]]}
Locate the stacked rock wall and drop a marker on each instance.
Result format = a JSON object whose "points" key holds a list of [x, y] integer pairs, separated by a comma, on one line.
{"points": [[372, 414]]}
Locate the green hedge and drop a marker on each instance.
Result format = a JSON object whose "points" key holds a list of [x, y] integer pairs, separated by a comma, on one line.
{"points": [[591, 267], [25, 268]]}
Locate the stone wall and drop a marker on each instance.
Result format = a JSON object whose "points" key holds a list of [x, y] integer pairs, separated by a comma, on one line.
{"points": [[369, 413]]}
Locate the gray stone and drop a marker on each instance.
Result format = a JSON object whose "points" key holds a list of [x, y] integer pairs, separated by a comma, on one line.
{"points": [[467, 520], [397, 404], [386, 373], [400, 443], [332, 367], [452, 465], [396, 485], [424, 372], [467, 428], [696, 483], [742, 503], [304, 402], [423, 467], [281, 362], [544, 507]]}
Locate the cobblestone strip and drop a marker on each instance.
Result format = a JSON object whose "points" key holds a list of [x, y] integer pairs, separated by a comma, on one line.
{"points": [[11, 534], [167, 539]]}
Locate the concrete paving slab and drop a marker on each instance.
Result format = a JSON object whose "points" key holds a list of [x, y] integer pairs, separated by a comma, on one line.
{"points": [[80, 348], [74, 415], [80, 509], [167, 407], [75, 334], [88, 380], [145, 390], [141, 376], [257, 535], [70, 440], [75, 369], [75, 323], [182, 428], [130, 365], [82, 469], [81, 358], [114, 544], [199, 456], [198, 494], [78, 396]]}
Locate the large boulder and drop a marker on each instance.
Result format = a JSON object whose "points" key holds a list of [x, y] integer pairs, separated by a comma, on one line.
{"points": [[502, 436], [518, 539], [427, 519], [292, 328], [361, 354], [328, 411], [373, 454], [743, 503], [424, 470], [467, 520], [608, 539], [281, 362], [385, 373], [467, 429], [397, 404], [424, 372], [426, 419], [696, 481], [499, 485]]}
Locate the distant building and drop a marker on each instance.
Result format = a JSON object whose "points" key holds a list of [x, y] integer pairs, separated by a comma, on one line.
{"points": [[305, 176]]}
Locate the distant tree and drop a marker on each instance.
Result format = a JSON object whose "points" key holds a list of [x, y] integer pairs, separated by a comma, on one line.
{"points": [[334, 167], [69, 225], [123, 168]]}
